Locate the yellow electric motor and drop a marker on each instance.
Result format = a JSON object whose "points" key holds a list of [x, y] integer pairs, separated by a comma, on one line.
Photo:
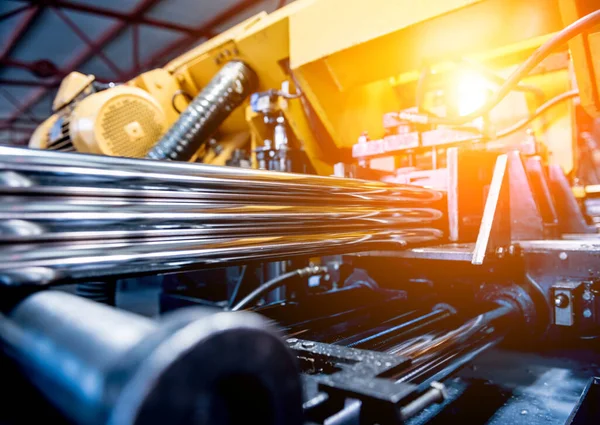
{"points": [[123, 121]]}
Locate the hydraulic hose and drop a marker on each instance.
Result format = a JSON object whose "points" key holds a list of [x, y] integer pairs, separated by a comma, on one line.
{"points": [[267, 287], [576, 28], [225, 92]]}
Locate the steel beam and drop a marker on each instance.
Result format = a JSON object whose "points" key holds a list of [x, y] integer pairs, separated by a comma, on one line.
{"points": [[17, 34], [130, 18], [14, 12], [26, 83], [114, 68]]}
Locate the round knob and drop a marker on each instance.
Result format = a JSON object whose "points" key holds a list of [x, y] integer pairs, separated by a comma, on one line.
{"points": [[561, 301]]}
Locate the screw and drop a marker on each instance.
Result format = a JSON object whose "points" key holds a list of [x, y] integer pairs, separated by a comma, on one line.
{"points": [[292, 340], [587, 295], [561, 301], [587, 313], [308, 344], [563, 256]]}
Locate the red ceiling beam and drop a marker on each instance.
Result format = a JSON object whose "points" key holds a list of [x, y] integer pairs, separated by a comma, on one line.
{"points": [[114, 68], [206, 30], [17, 128], [27, 83], [83, 57], [25, 121], [186, 41], [108, 13], [29, 17], [14, 12]]}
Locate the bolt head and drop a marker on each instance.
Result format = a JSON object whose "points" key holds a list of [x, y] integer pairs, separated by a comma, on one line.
{"points": [[561, 301]]}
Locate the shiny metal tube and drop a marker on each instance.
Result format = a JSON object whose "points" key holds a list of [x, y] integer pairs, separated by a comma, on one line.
{"points": [[77, 217], [25, 220], [100, 365], [457, 337], [29, 169], [404, 329], [442, 366], [49, 263]]}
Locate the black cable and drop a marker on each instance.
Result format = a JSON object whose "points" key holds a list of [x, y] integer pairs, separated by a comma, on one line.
{"points": [[280, 280], [238, 284], [541, 110], [526, 67], [499, 80], [177, 93], [523, 123]]}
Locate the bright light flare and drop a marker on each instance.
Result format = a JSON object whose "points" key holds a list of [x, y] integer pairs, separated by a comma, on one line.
{"points": [[472, 92]]}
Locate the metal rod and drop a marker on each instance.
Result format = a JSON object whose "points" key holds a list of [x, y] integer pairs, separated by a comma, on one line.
{"points": [[443, 366], [401, 330], [79, 217], [97, 223], [53, 263], [458, 336], [43, 167]]}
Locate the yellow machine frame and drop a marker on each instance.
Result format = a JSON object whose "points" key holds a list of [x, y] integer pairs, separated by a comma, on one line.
{"points": [[357, 60]]}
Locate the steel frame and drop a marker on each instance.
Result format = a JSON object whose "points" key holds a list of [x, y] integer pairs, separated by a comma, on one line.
{"points": [[32, 9]]}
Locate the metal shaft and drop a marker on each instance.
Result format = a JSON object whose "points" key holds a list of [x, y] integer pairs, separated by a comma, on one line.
{"points": [[100, 365], [457, 336], [442, 354]]}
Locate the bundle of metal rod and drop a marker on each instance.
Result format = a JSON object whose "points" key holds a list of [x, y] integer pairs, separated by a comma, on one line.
{"points": [[438, 354], [51, 263], [58, 173], [38, 219], [66, 217]]}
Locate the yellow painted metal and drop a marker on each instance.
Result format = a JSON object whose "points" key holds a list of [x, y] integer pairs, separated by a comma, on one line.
{"points": [[584, 51], [162, 87], [382, 39], [331, 26], [71, 86], [355, 60], [350, 67]]}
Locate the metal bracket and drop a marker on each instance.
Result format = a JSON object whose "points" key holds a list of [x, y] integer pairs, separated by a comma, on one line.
{"points": [[564, 296], [354, 373]]}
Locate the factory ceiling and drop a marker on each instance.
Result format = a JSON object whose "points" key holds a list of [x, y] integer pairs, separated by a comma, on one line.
{"points": [[41, 41]]}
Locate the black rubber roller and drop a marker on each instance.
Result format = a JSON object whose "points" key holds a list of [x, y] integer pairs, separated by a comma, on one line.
{"points": [[100, 365], [225, 92]]}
